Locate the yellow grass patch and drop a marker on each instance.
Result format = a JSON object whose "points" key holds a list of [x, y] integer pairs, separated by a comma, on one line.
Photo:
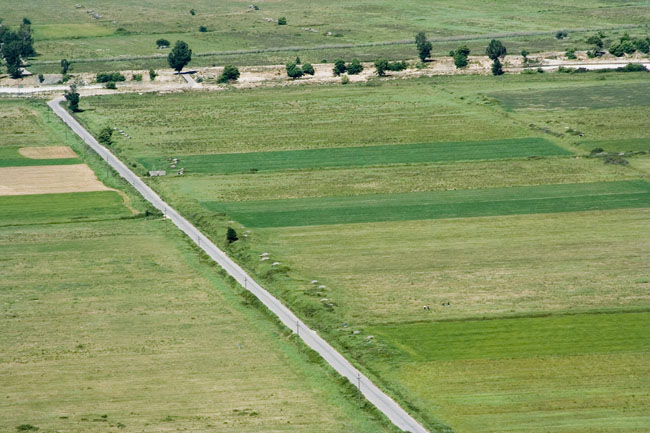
{"points": [[47, 152], [49, 179]]}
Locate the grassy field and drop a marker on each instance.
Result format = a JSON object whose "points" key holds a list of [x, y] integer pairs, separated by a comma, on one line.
{"points": [[575, 373], [436, 205], [9, 157], [381, 253], [56, 208], [116, 324], [360, 156], [61, 30], [145, 338]]}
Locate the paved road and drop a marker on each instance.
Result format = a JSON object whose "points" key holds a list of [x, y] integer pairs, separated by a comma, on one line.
{"points": [[377, 397]]}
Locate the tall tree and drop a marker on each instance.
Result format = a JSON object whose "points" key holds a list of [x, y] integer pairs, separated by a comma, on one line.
{"points": [[179, 56], [11, 53], [423, 46], [72, 96], [495, 50]]}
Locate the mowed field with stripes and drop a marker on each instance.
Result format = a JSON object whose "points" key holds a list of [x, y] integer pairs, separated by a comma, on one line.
{"points": [[478, 198]]}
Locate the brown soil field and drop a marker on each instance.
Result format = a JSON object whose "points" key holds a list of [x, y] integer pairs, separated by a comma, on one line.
{"points": [[47, 152], [50, 179]]}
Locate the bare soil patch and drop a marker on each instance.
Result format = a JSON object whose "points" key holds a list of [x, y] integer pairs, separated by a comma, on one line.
{"points": [[47, 152], [50, 179]]}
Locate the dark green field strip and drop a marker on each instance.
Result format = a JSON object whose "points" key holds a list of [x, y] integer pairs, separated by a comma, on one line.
{"points": [[360, 156], [521, 337], [626, 145], [9, 157], [437, 204], [55, 208], [601, 96]]}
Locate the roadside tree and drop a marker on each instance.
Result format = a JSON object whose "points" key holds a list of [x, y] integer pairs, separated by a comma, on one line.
{"points": [[180, 56]]}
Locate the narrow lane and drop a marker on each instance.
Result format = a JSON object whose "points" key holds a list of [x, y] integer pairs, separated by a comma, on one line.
{"points": [[372, 393]]}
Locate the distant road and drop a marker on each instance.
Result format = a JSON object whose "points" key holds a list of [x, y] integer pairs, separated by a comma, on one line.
{"points": [[372, 393]]}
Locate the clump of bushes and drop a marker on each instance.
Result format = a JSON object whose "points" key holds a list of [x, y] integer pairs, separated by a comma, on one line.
{"points": [[571, 54], [105, 136], [294, 71], [230, 73], [203, 29], [397, 66], [561, 34], [231, 235], [152, 74], [105, 77], [137, 77], [282, 21], [355, 67], [111, 85], [162, 43], [308, 69], [460, 56], [339, 67]]}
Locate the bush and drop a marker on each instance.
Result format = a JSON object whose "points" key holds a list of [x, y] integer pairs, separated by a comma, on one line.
{"points": [[192, 12], [26, 427], [41, 78], [355, 67], [642, 45], [524, 54], [152, 74], [497, 69], [162, 43], [203, 29], [307, 68], [282, 21], [381, 65], [622, 47], [105, 77], [111, 85], [294, 71], [561, 34], [65, 65], [460, 60], [397, 66], [105, 136], [231, 235], [230, 73], [339, 67], [345, 80], [137, 77], [423, 46], [571, 54], [632, 67]]}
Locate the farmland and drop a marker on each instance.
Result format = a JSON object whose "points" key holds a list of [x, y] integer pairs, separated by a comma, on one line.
{"points": [[63, 31], [113, 321], [477, 197]]}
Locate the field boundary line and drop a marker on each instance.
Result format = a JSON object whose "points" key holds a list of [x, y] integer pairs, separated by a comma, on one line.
{"points": [[373, 394]]}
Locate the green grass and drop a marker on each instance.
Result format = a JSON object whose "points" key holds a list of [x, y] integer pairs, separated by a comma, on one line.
{"points": [[583, 97], [435, 205], [116, 325], [520, 337], [574, 373], [67, 32], [9, 157], [24, 124], [625, 145], [360, 156], [49, 208]]}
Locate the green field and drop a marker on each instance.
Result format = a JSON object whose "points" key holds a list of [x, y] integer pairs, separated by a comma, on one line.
{"points": [[435, 205], [9, 157], [56, 208], [360, 156], [575, 373], [112, 323], [63, 31], [509, 239]]}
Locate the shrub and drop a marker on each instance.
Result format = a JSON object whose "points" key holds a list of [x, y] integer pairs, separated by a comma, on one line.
{"points": [[345, 80], [105, 77], [355, 67], [282, 21], [339, 67], [105, 136], [495, 49], [137, 77], [451, 53], [26, 427], [41, 78], [230, 73], [162, 43], [571, 54], [152, 74], [497, 69], [72, 96], [460, 60], [294, 71], [397, 66], [231, 235], [561, 34], [298, 61], [622, 47], [524, 54], [463, 49], [632, 67], [381, 65], [643, 45], [111, 85], [203, 29], [65, 65], [307, 68], [192, 12]]}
